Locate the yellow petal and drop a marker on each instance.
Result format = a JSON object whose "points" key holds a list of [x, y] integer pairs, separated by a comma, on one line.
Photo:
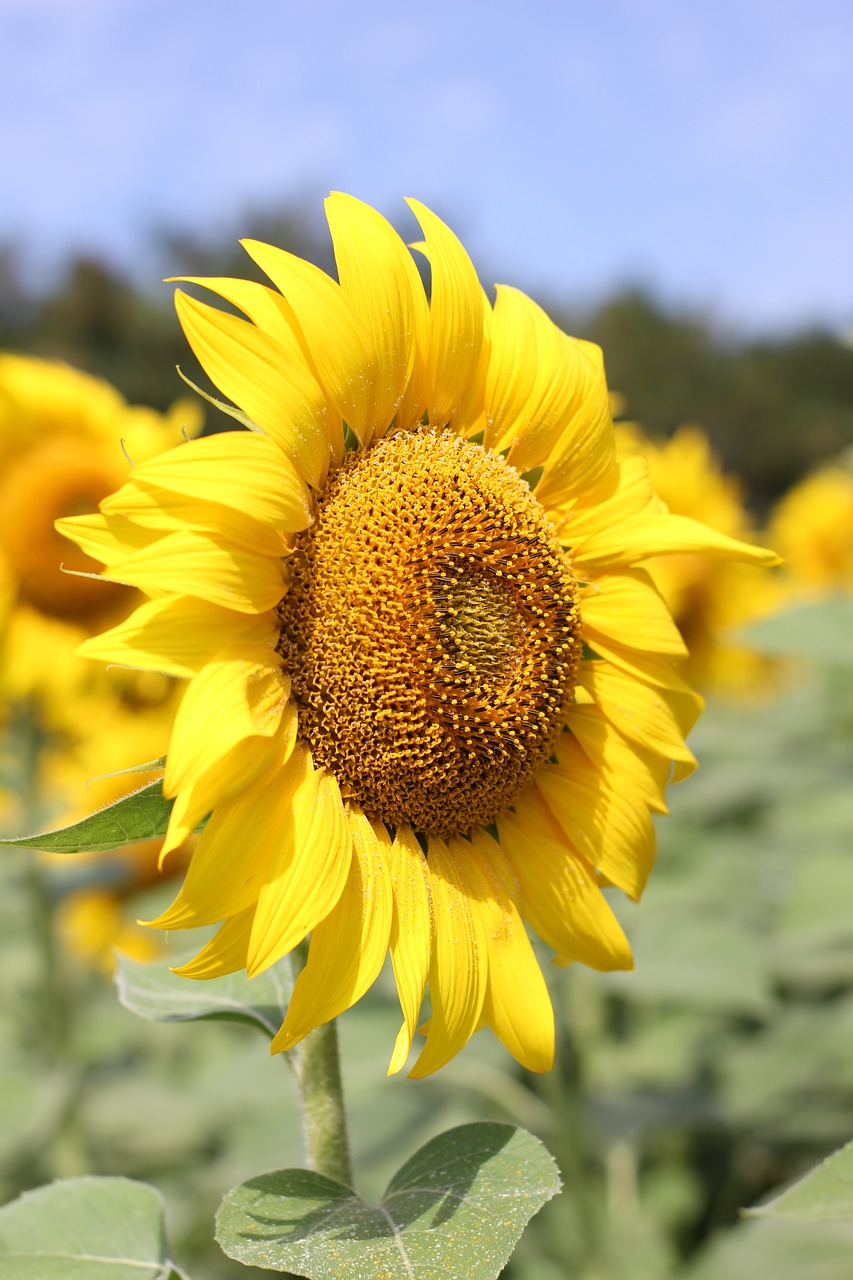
{"points": [[261, 304], [560, 895], [546, 392], [226, 951], [348, 948], [192, 564], [628, 609], [605, 818], [106, 538], [309, 871], [661, 533], [459, 967], [627, 492], [241, 470], [158, 511], [329, 333], [271, 383], [411, 934], [231, 861], [517, 1006], [178, 635], [649, 667], [584, 457], [380, 280], [455, 319], [653, 717], [513, 390], [609, 750], [236, 701]]}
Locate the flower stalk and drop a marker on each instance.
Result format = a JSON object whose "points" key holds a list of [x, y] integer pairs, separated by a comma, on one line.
{"points": [[324, 1121]]}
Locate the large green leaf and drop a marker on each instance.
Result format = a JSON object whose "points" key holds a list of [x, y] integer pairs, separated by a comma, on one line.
{"points": [[152, 991], [826, 1192], [85, 1229], [456, 1208], [142, 815]]}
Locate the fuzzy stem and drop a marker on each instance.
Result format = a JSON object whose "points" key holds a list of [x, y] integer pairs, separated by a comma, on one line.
{"points": [[318, 1070]]}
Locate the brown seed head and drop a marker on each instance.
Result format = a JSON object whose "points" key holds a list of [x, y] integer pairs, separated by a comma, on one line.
{"points": [[431, 632]]}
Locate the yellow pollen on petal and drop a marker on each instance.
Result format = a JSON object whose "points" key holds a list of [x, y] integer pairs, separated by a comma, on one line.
{"points": [[431, 632]]}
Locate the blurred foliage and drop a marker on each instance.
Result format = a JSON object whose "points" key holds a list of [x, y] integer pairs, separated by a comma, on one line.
{"points": [[700, 1084], [773, 408]]}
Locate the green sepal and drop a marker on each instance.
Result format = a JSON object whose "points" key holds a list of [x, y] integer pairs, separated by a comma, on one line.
{"points": [[222, 405]]}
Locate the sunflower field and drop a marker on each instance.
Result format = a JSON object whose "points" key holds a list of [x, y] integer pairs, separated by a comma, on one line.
{"points": [[353, 673]]}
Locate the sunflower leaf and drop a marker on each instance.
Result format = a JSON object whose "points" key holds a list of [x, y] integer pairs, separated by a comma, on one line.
{"points": [[142, 815], [458, 1207], [157, 994], [823, 1194], [80, 1227]]}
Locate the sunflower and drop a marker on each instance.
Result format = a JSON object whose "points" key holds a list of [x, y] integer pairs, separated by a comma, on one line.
{"points": [[431, 691], [813, 523], [709, 597], [61, 434]]}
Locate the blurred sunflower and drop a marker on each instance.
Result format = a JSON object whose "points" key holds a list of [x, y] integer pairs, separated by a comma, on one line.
{"points": [[61, 434], [708, 597], [812, 525], [431, 691]]}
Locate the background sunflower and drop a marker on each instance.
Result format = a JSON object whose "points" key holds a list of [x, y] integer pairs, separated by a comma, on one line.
{"points": [[66, 439]]}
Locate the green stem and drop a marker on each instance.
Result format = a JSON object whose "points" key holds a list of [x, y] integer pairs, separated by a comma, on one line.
{"points": [[324, 1120]]}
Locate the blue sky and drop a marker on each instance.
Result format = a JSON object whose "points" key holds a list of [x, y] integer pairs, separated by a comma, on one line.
{"points": [[702, 147]]}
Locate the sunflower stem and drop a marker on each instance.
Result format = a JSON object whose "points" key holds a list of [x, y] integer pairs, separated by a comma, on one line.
{"points": [[324, 1121]]}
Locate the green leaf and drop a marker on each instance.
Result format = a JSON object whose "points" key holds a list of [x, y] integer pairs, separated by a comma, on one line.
{"points": [[819, 630], [825, 1193], [142, 815], [85, 1229], [458, 1207], [155, 993]]}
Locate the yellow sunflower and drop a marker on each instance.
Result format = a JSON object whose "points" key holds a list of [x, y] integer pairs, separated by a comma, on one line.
{"points": [[431, 690], [813, 528], [62, 433], [709, 597]]}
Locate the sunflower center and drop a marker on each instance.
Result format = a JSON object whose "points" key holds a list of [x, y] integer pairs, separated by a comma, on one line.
{"points": [[431, 632], [57, 478]]}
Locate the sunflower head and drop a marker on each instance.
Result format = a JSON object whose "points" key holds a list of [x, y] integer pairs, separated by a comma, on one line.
{"points": [[61, 434], [431, 688], [468, 616]]}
